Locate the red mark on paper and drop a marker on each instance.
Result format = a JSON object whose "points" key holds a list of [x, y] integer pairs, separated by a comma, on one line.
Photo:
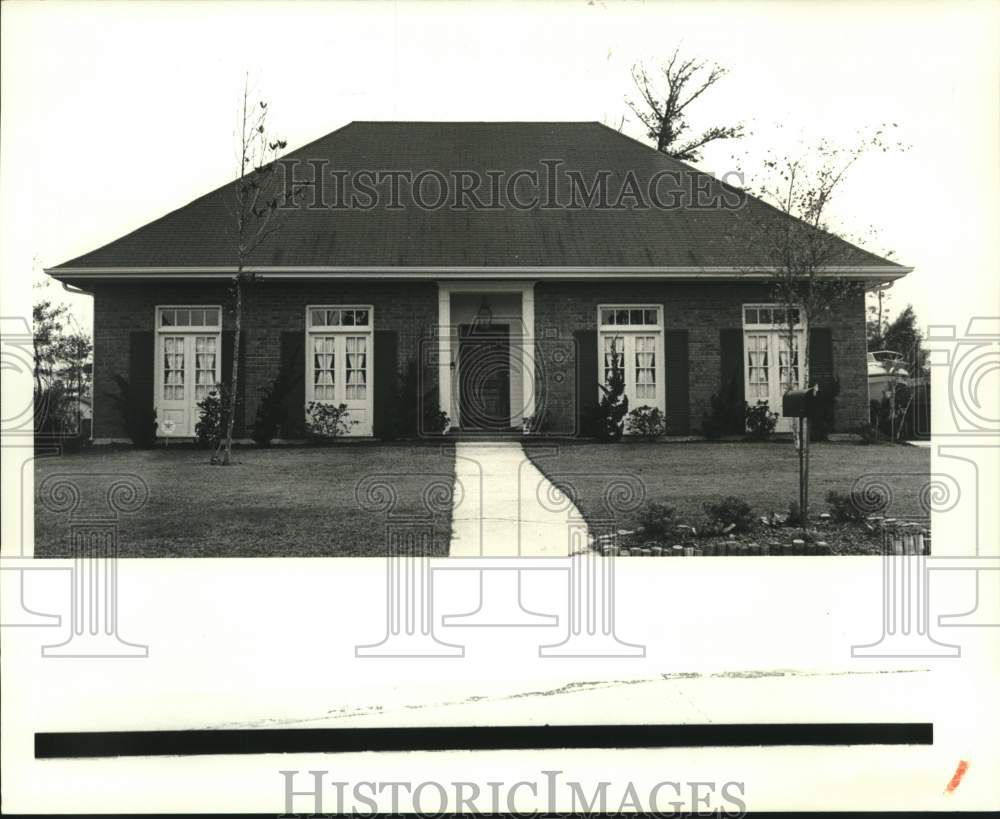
{"points": [[963, 766]]}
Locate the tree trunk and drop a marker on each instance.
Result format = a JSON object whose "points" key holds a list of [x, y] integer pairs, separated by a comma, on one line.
{"points": [[225, 452]]}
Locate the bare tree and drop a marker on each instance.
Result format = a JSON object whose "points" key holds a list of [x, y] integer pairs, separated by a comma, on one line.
{"points": [[786, 229], [789, 231], [665, 100], [256, 209]]}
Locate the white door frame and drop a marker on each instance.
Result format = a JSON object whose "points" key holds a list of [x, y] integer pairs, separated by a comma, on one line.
{"points": [[188, 333], [631, 331], [447, 338], [361, 429]]}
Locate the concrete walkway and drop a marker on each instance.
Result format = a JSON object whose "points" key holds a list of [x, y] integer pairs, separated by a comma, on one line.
{"points": [[505, 507]]}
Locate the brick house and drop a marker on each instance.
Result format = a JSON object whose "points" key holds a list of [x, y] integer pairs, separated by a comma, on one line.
{"points": [[486, 270]]}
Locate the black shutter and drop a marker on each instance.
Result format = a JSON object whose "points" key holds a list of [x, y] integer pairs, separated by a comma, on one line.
{"points": [[228, 343], [731, 371], [141, 366], [821, 358], [384, 384], [676, 381], [731, 361], [586, 381], [293, 361]]}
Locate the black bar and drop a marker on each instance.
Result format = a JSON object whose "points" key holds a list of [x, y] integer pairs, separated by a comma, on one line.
{"points": [[53, 745]]}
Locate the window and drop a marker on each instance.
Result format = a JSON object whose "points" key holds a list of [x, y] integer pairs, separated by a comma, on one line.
{"points": [[339, 317], [187, 365], [771, 362], [339, 343], [189, 317], [173, 367], [631, 338]]}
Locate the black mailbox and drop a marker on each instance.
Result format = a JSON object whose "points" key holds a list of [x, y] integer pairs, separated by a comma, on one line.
{"points": [[797, 403]]}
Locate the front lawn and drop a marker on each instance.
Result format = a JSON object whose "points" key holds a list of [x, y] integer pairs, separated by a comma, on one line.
{"points": [[686, 475], [281, 502]]}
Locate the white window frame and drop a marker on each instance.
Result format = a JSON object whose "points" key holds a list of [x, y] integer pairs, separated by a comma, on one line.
{"points": [[657, 330], [160, 332], [776, 332], [356, 429]]}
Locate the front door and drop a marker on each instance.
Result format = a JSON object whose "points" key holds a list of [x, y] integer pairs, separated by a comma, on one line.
{"points": [[484, 376]]}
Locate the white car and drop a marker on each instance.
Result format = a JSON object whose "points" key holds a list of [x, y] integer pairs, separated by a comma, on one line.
{"points": [[884, 368]]}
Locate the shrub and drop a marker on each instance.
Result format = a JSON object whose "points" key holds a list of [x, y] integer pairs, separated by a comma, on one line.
{"points": [[614, 403], [136, 412], [760, 421], [437, 422], [324, 422], [272, 411], [842, 507], [656, 521], [824, 409], [867, 434], [211, 426], [730, 511], [648, 422], [726, 416]]}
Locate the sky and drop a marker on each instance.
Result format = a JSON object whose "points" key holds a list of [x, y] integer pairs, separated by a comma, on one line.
{"points": [[113, 113]]}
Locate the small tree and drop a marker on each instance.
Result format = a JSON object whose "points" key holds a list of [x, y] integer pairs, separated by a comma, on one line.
{"points": [[789, 232], [664, 106], [63, 367], [614, 403], [256, 211]]}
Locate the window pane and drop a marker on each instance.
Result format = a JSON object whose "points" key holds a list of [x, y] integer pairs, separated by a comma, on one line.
{"points": [[183, 318], [758, 366], [347, 318], [323, 368], [167, 318], [197, 318], [645, 367], [211, 318], [173, 368], [779, 316], [317, 318], [650, 317], [205, 366], [333, 318], [356, 370], [361, 318], [750, 315], [795, 314], [635, 316], [607, 316], [764, 315], [621, 317]]}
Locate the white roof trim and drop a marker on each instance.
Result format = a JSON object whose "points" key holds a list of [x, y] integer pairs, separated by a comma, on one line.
{"points": [[885, 272]]}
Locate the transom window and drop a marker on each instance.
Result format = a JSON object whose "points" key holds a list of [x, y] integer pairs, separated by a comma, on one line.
{"points": [[768, 315], [630, 317], [339, 317], [189, 317]]}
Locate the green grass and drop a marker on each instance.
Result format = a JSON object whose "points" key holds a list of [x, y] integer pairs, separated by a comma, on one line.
{"points": [[281, 502], [764, 474]]}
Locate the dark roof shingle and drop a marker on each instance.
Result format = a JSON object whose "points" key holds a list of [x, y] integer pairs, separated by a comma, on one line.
{"points": [[200, 233]]}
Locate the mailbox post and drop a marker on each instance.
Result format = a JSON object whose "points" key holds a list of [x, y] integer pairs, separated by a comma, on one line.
{"points": [[799, 404]]}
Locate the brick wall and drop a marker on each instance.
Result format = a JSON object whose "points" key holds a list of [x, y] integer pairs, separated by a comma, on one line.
{"points": [[702, 309], [410, 309], [119, 309]]}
